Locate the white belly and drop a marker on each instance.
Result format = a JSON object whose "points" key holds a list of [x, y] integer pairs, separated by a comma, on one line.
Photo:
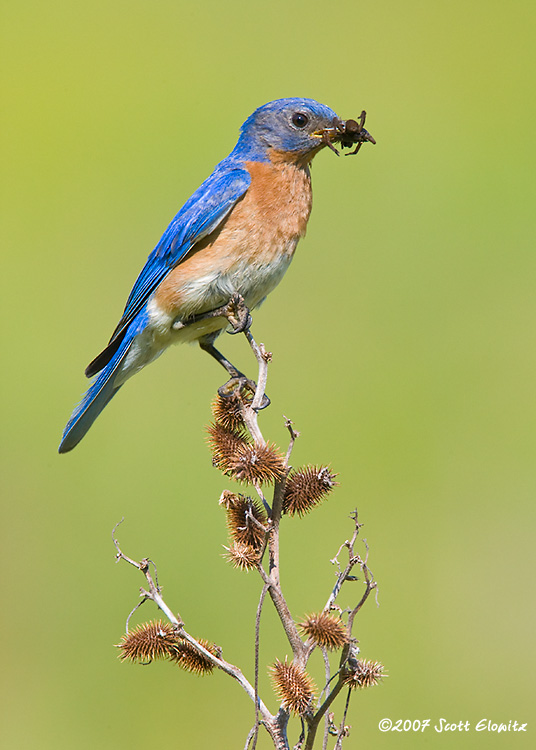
{"points": [[253, 281]]}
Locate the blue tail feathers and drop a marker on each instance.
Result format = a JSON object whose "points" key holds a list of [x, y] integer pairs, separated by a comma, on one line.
{"points": [[100, 393]]}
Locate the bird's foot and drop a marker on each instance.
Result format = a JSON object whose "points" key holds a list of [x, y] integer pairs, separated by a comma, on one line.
{"points": [[237, 313], [239, 383]]}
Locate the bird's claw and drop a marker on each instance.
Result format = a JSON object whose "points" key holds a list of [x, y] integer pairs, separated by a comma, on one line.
{"points": [[236, 311], [238, 315], [237, 384]]}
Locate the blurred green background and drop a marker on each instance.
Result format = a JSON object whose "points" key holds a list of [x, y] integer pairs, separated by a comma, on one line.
{"points": [[403, 340]]}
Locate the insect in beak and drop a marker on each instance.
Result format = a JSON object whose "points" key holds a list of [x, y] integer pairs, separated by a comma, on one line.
{"points": [[347, 133]]}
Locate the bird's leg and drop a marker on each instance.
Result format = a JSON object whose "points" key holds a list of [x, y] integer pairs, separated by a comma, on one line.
{"points": [[207, 345], [238, 380], [237, 313]]}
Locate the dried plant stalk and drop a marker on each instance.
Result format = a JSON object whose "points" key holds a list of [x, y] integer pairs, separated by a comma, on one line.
{"points": [[240, 451]]}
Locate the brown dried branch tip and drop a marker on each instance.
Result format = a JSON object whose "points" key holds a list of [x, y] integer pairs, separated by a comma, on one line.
{"points": [[236, 456], [293, 686], [188, 658], [149, 641], [242, 557], [246, 519], [363, 674], [325, 630], [306, 488], [227, 410]]}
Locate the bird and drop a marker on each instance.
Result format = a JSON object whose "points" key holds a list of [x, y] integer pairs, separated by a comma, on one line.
{"points": [[225, 250]]}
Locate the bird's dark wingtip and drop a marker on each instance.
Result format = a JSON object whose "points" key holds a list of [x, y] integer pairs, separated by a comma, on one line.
{"points": [[102, 359]]}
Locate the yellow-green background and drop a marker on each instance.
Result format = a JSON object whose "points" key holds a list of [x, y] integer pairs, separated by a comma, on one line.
{"points": [[403, 340]]}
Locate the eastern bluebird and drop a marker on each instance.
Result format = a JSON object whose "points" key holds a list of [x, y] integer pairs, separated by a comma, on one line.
{"points": [[236, 235]]}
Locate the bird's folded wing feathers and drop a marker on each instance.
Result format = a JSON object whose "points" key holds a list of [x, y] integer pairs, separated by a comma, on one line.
{"points": [[199, 216]]}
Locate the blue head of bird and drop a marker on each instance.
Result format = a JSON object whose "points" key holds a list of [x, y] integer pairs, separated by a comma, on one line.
{"points": [[290, 127]]}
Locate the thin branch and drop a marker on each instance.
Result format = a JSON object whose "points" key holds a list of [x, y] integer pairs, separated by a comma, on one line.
{"points": [[370, 585], [327, 673], [249, 411], [252, 733], [138, 605], [301, 738], [293, 437], [263, 357], [327, 670], [343, 729], [283, 611], [343, 576], [260, 493], [315, 721], [257, 644]]}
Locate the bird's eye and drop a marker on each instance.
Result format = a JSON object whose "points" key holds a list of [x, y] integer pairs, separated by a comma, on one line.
{"points": [[299, 119]]}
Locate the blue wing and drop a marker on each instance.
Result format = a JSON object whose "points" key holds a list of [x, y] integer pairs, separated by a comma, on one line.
{"points": [[199, 216]]}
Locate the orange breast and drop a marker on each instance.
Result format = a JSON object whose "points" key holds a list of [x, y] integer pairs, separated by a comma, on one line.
{"points": [[250, 249]]}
